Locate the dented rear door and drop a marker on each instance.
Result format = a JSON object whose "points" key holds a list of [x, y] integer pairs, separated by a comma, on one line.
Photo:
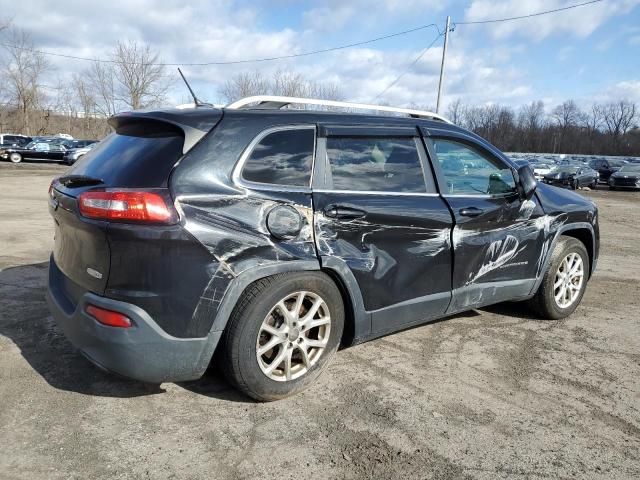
{"points": [[377, 214]]}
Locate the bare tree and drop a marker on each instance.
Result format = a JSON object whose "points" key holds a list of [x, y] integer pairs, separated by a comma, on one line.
{"points": [[140, 78], [289, 84], [455, 112], [282, 82], [530, 121], [567, 115], [245, 84], [619, 117], [325, 90], [85, 97], [23, 73], [102, 84]]}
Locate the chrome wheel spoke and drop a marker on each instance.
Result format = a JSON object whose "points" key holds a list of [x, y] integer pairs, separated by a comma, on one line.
{"points": [[277, 361], [312, 311], [560, 295], [275, 340], [284, 311], [271, 329], [318, 322], [287, 363], [316, 343], [298, 305], [305, 356]]}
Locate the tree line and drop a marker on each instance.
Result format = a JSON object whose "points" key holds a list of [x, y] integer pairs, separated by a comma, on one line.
{"points": [[603, 129], [33, 102]]}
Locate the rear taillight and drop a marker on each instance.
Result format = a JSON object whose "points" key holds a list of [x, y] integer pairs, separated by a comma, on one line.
{"points": [[127, 206], [108, 317]]}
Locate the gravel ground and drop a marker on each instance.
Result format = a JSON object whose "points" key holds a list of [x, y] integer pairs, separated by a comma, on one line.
{"points": [[488, 394]]}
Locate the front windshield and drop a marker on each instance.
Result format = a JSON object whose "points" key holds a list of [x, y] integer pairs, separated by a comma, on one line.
{"points": [[630, 169], [616, 163]]}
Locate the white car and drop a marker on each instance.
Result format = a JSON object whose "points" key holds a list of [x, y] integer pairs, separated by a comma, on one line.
{"points": [[541, 169]]}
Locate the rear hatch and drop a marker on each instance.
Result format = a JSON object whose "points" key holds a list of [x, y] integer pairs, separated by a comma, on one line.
{"points": [[138, 156]]}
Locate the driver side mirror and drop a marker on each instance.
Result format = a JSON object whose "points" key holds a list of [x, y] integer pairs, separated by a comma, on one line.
{"points": [[527, 182]]}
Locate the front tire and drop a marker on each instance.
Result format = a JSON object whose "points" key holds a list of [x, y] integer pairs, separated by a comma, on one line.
{"points": [[281, 334], [565, 281], [15, 157]]}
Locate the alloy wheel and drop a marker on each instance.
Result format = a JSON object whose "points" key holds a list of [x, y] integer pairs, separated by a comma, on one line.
{"points": [[293, 336], [568, 281]]}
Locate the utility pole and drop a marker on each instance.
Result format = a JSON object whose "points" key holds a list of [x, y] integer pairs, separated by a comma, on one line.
{"points": [[444, 54]]}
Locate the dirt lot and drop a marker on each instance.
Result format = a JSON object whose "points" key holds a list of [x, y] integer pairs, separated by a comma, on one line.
{"points": [[488, 394]]}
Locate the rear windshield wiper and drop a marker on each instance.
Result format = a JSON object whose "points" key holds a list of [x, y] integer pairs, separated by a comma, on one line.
{"points": [[71, 181]]}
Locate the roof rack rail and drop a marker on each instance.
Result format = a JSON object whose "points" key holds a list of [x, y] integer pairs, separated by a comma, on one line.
{"points": [[276, 102]]}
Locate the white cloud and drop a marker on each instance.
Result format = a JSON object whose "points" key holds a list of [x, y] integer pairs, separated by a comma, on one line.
{"points": [[335, 14], [579, 22], [626, 90]]}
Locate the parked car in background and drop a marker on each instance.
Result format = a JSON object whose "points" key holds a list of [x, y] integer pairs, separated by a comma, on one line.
{"points": [[74, 154], [8, 140], [51, 149], [300, 231], [628, 176], [71, 144], [605, 167], [540, 169], [572, 176]]}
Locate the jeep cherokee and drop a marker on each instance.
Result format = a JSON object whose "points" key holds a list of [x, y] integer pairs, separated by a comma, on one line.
{"points": [[269, 237]]}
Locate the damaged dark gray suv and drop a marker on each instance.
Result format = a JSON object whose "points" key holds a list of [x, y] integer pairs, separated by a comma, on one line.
{"points": [[261, 239]]}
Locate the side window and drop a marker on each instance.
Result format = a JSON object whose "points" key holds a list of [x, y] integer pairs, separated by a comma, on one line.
{"points": [[283, 157], [467, 171], [375, 164]]}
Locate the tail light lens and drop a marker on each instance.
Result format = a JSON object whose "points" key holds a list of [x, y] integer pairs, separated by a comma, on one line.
{"points": [[127, 206], [108, 317]]}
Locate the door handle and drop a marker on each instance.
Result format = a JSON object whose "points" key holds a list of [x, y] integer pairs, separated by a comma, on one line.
{"points": [[471, 212], [344, 213]]}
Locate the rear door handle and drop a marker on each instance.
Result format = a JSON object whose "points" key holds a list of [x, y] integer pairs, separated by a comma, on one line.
{"points": [[471, 212], [344, 213]]}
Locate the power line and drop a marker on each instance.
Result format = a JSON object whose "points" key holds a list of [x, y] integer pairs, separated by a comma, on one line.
{"points": [[399, 77], [233, 62], [546, 12]]}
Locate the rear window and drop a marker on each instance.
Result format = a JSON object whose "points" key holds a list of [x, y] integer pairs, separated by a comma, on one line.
{"points": [[136, 155], [283, 157]]}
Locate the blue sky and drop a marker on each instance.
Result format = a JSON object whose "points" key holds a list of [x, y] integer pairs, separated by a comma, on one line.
{"points": [[589, 54]]}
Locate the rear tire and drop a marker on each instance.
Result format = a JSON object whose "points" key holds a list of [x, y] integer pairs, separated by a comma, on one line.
{"points": [[15, 157], [568, 272], [299, 351]]}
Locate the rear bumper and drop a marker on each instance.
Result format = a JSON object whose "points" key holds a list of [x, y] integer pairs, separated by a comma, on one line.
{"points": [[142, 352]]}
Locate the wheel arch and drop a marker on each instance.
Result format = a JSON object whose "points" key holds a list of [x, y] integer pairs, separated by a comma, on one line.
{"points": [[586, 237]]}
